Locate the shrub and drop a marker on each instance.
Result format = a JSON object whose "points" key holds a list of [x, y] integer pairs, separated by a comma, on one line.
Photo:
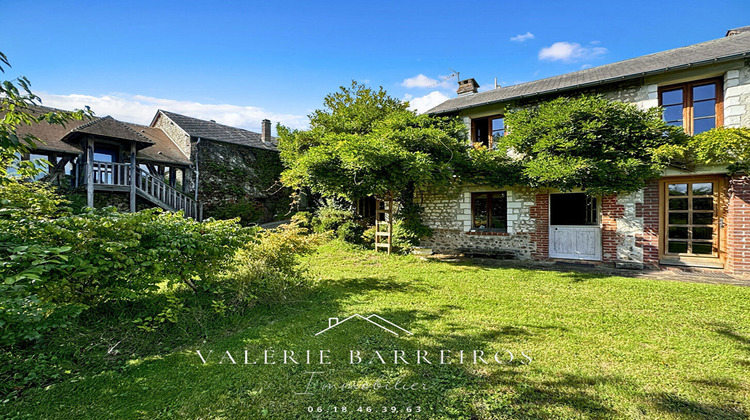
{"points": [[52, 268], [351, 232], [329, 219], [267, 270], [303, 219]]}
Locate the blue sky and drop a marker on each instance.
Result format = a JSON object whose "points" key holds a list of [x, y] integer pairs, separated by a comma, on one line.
{"points": [[241, 61]]}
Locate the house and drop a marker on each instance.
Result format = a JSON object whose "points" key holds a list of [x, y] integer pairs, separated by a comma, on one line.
{"points": [[694, 219], [176, 163]]}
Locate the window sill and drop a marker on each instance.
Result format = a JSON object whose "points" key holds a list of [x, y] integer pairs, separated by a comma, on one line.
{"points": [[486, 233]]}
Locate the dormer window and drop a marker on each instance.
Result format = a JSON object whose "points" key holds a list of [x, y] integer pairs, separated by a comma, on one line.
{"points": [[695, 106], [488, 131]]}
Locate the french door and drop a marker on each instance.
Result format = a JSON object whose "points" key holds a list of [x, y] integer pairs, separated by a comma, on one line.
{"points": [[691, 220]]}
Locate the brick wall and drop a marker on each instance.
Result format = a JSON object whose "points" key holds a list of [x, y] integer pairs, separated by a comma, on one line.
{"points": [[738, 225], [539, 212], [611, 211], [649, 211]]}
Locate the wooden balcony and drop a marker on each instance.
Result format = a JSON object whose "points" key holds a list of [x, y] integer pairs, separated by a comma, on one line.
{"points": [[113, 176]]}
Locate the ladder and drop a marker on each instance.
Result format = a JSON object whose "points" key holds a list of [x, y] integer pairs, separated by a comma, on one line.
{"points": [[384, 222]]}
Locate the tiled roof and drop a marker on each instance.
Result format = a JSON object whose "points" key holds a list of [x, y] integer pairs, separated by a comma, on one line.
{"points": [[51, 135], [219, 132], [718, 50], [154, 145], [110, 127]]}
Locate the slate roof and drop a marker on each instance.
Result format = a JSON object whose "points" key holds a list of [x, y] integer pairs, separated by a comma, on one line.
{"points": [[718, 50], [219, 132]]}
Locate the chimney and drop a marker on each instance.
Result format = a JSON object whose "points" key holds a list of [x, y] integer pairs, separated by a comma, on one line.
{"points": [[265, 133], [467, 86], [332, 322]]}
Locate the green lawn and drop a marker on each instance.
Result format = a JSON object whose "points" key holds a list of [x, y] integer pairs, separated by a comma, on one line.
{"points": [[600, 347]]}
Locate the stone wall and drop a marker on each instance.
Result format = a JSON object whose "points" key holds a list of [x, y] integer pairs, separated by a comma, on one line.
{"points": [[178, 135], [450, 218], [737, 97], [239, 181]]}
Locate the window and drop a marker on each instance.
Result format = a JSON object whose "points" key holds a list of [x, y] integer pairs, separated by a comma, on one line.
{"points": [[573, 209], [695, 106], [487, 131], [489, 211], [106, 153]]}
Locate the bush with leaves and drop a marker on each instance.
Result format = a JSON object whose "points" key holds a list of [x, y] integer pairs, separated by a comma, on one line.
{"points": [[55, 263], [267, 270], [329, 218]]}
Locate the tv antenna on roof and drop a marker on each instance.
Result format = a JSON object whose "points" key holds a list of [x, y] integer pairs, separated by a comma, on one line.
{"points": [[456, 73]]}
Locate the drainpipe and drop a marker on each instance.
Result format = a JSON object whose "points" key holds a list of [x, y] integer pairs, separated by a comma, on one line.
{"points": [[197, 172]]}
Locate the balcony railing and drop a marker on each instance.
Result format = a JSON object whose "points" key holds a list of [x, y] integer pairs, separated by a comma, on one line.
{"points": [[146, 185]]}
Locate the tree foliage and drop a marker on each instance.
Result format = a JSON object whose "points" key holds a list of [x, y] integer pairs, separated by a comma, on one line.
{"points": [[722, 146], [365, 142], [17, 104], [588, 142]]}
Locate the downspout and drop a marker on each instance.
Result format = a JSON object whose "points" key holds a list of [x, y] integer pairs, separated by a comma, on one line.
{"points": [[197, 172]]}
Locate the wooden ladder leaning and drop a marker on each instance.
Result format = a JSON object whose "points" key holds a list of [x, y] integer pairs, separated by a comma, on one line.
{"points": [[384, 223]]}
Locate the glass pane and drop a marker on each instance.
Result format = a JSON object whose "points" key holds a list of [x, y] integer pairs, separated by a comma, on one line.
{"points": [[499, 211], [480, 211], [703, 188], [678, 232], [703, 218], [702, 248], [677, 247], [498, 124], [703, 203], [704, 92], [672, 113], [703, 124], [678, 218], [703, 233], [704, 109], [678, 203], [671, 97], [677, 189]]}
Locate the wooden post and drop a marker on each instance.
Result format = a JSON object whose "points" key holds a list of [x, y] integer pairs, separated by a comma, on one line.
{"points": [[90, 172], [172, 176], [132, 176]]}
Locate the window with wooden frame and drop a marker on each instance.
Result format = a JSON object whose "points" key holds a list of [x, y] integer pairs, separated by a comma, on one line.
{"points": [[487, 131], [489, 211], [696, 106]]}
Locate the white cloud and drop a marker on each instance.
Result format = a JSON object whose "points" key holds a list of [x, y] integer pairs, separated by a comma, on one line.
{"points": [[570, 52], [425, 103], [141, 110], [521, 38], [424, 82]]}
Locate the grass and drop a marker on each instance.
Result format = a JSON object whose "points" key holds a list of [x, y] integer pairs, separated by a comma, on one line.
{"points": [[600, 347]]}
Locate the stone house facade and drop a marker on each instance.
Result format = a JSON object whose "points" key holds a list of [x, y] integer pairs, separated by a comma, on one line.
{"points": [[695, 219], [177, 163]]}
